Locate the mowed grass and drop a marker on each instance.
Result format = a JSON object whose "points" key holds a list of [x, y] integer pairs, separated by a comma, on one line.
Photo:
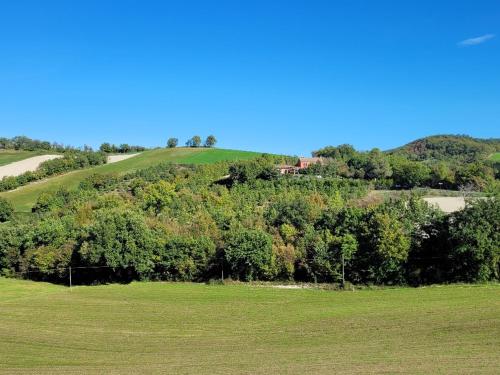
{"points": [[240, 329], [11, 156], [25, 197]]}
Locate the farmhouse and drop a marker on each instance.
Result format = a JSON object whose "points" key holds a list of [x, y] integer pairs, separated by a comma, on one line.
{"points": [[302, 163], [306, 162]]}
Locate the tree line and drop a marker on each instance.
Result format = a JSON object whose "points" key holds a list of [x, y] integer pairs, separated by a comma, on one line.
{"points": [[187, 223], [400, 171], [124, 148], [194, 142], [23, 143]]}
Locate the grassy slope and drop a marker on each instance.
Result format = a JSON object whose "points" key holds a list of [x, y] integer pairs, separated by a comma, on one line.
{"points": [[495, 156], [24, 198], [200, 329], [11, 156]]}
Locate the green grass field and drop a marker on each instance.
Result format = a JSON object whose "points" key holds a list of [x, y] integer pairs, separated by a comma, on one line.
{"points": [[11, 156], [25, 197], [495, 157], [241, 329]]}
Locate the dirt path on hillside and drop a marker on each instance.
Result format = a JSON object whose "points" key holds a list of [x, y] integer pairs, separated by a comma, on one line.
{"points": [[116, 158], [27, 165]]}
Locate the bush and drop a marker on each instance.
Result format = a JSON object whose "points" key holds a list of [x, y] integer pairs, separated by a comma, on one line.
{"points": [[6, 210]]}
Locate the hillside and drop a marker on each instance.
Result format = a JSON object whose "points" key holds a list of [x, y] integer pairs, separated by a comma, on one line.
{"points": [[24, 197], [449, 147], [495, 156], [11, 156]]}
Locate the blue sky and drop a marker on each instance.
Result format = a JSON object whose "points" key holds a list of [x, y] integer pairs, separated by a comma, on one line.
{"points": [[276, 76]]}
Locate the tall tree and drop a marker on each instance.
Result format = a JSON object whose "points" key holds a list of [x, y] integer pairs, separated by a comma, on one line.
{"points": [[172, 142], [106, 147], [210, 141], [475, 239], [194, 142], [248, 253]]}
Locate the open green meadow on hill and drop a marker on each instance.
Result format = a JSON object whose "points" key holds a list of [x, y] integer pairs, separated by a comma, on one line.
{"points": [[11, 156], [24, 197], [495, 156], [242, 329]]}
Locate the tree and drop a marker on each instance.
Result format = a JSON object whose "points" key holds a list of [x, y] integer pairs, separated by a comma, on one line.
{"points": [[475, 239], [408, 174], [377, 165], [124, 148], [158, 196], [119, 239], [184, 258], [106, 147], [391, 246], [248, 253], [172, 142], [297, 212], [6, 210], [194, 142], [348, 247], [210, 141]]}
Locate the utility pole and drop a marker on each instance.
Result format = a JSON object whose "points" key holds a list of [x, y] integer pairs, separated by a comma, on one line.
{"points": [[70, 282]]}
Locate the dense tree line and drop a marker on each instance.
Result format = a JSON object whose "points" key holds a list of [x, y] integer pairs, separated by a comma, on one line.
{"points": [[399, 171], [124, 148], [71, 160], [23, 143], [460, 148], [244, 220]]}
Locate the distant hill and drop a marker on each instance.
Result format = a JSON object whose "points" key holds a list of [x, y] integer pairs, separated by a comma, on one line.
{"points": [[449, 147], [25, 197]]}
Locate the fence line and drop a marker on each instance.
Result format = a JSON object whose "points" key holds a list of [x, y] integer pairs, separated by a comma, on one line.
{"points": [[70, 269]]}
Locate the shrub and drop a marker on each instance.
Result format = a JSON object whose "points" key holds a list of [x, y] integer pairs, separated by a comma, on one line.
{"points": [[6, 210]]}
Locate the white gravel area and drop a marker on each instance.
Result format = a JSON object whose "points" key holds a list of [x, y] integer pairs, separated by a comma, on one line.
{"points": [[27, 165], [116, 158], [447, 204]]}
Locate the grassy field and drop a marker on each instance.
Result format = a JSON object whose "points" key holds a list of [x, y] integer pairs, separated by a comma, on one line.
{"points": [[495, 157], [11, 156], [25, 197], [240, 329]]}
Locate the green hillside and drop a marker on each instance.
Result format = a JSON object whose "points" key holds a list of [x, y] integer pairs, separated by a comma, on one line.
{"points": [[24, 197], [495, 156], [240, 329], [11, 156], [449, 147]]}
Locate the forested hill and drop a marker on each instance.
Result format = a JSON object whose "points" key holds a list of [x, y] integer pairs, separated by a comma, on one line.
{"points": [[448, 147]]}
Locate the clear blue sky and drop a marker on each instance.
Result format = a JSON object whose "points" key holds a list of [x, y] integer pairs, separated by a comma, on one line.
{"points": [[278, 76]]}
